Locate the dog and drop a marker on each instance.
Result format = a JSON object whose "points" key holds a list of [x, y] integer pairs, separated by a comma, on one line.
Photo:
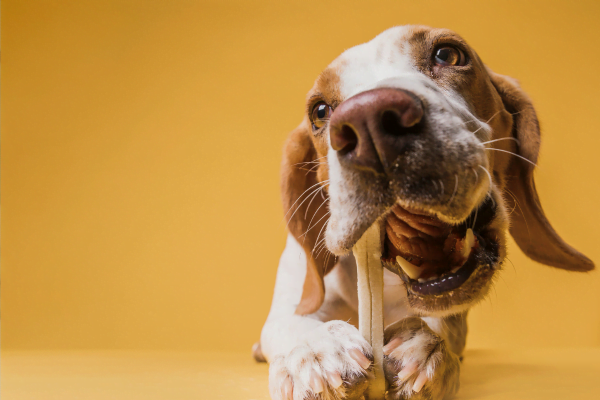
{"points": [[413, 132]]}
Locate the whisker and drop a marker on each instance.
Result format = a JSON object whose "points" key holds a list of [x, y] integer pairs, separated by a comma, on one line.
{"points": [[313, 168], [442, 191], [313, 197], [477, 130], [313, 217], [322, 240], [514, 199], [471, 120], [488, 174], [478, 120], [522, 213], [316, 247], [492, 199], [504, 138], [321, 247], [308, 170], [475, 218], [511, 263], [316, 223], [513, 209], [306, 164], [299, 197], [316, 160], [455, 188], [329, 254], [307, 197], [318, 243], [486, 122], [476, 174], [514, 154]]}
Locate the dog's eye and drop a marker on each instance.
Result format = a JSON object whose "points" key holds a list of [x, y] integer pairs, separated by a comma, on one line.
{"points": [[449, 56], [320, 114]]}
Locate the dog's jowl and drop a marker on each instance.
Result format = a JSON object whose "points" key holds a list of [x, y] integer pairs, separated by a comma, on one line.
{"points": [[414, 132]]}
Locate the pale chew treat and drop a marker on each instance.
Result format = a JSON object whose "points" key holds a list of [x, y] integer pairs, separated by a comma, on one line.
{"points": [[367, 252]]}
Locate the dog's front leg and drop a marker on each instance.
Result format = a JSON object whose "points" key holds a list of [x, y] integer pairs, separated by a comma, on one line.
{"points": [[316, 356], [419, 363]]}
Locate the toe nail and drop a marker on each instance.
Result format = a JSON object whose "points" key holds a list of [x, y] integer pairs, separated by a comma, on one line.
{"points": [[403, 374], [360, 358], [391, 346], [316, 383], [288, 390], [407, 371], [420, 382], [335, 379]]}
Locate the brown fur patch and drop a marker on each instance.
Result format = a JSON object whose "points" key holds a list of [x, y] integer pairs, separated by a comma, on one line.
{"points": [[529, 226], [304, 170]]}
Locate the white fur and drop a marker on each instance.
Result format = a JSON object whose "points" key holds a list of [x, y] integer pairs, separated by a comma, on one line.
{"points": [[323, 349], [379, 59], [417, 350], [290, 342], [382, 63]]}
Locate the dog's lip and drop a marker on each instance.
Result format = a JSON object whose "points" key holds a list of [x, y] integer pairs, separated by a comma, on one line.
{"points": [[449, 281], [423, 245], [445, 281], [345, 246]]}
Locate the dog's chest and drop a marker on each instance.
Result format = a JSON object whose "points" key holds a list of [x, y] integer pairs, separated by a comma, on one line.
{"points": [[341, 283]]}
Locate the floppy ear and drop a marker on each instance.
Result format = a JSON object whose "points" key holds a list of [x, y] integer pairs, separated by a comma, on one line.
{"points": [[529, 226], [305, 207]]}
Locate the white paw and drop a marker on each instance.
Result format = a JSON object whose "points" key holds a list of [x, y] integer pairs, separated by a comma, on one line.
{"points": [[331, 363], [417, 362]]}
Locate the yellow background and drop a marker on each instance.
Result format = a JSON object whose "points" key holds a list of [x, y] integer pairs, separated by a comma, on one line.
{"points": [[141, 143]]}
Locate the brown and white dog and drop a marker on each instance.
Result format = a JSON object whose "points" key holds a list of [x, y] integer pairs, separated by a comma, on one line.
{"points": [[411, 131]]}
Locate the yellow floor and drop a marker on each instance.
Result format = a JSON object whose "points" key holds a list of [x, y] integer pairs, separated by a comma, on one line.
{"points": [[31, 375]]}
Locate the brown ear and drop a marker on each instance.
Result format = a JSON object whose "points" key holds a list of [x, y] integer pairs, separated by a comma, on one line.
{"points": [[305, 207], [529, 226]]}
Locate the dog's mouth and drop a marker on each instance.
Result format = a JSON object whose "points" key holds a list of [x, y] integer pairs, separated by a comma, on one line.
{"points": [[434, 257]]}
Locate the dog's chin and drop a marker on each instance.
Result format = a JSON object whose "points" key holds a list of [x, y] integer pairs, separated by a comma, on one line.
{"points": [[446, 265]]}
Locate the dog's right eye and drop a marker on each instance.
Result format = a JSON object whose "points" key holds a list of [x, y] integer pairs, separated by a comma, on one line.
{"points": [[449, 56], [320, 114]]}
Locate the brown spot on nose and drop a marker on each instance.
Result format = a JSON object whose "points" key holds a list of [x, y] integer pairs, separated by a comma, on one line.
{"points": [[372, 129]]}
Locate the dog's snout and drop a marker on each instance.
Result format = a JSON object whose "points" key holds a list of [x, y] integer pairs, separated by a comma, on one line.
{"points": [[373, 128]]}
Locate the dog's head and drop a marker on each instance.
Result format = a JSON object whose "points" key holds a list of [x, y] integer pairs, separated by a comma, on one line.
{"points": [[412, 131]]}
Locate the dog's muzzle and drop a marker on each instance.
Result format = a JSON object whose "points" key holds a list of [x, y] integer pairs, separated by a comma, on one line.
{"points": [[372, 129]]}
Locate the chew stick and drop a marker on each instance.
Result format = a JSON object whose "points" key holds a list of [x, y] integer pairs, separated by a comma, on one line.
{"points": [[367, 252]]}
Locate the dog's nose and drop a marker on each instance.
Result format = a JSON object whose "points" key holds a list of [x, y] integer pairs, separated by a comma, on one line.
{"points": [[372, 129]]}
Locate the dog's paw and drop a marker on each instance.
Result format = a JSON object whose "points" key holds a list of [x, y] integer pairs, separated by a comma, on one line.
{"points": [[418, 363], [332, 363]]}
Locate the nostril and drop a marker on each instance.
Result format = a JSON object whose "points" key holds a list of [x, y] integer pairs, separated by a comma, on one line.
{"points": [[390, 123], [344, 139], [393, 123]]}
